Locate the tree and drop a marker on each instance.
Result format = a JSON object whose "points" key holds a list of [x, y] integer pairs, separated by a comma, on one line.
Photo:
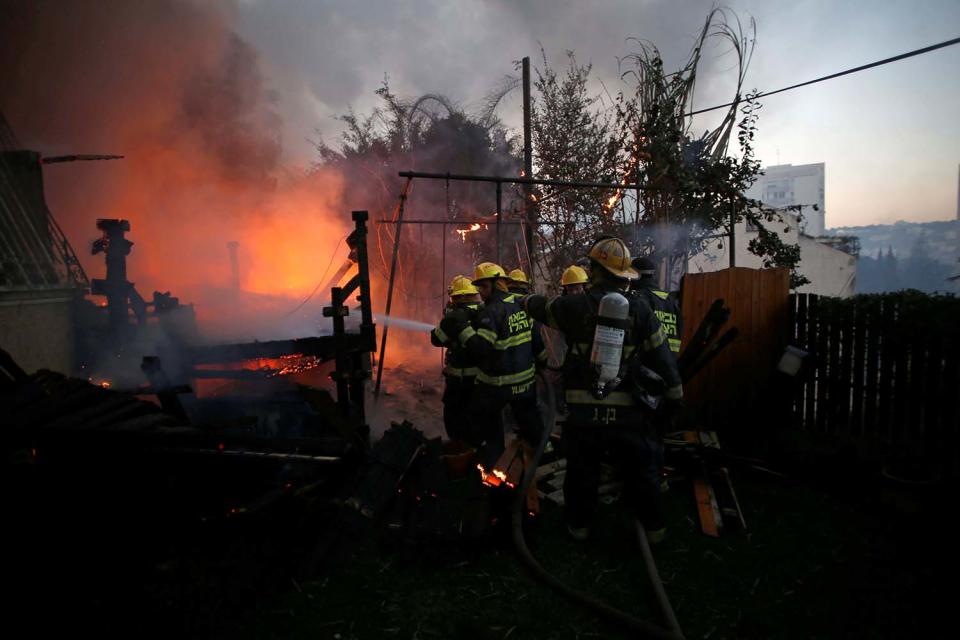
{"points": [[921, 272], [692, 185], [429, 133], [573, 140]]}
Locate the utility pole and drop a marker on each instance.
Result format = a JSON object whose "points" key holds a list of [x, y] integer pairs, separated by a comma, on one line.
{"points": [[232, 248], [733, 237], [528, 166]]}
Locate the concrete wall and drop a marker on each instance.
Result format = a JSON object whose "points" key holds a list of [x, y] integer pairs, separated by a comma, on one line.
{"points": [[37, 328], [787, 184], [716, 254], [831, 272]]}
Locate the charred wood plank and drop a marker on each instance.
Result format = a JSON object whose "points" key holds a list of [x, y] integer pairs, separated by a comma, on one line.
{"points": [[114, 419], [390, 459], [80, 418], [323, 347], [40, 413]]}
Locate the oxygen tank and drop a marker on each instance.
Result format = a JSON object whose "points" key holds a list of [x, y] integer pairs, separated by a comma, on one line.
{"points": [[612, 320]]}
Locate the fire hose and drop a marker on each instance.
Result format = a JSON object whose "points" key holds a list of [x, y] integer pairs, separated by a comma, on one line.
{"points": [[641, 627]]}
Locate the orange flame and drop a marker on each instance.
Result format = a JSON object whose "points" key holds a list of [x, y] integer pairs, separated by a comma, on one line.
{"points": [[476, 226], [494, 478]]}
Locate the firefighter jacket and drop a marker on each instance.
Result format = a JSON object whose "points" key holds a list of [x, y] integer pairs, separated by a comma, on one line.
{"points": [[667, 309], [504, 345], [457, 362], [644, 344]]}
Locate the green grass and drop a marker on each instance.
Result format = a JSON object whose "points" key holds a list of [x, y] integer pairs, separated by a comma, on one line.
{"points": [[809, 566]]}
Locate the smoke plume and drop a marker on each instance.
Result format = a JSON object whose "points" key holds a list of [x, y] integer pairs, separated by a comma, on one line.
{"points": [[173, 88]]}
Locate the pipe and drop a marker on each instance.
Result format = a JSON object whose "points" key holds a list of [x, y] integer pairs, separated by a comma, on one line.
{"points": [[613, 186], [665, 607], [642, 627], [393, 273]]}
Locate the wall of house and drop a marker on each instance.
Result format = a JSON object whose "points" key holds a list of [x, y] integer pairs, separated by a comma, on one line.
{"points": [[37, 329], [832, 272]]}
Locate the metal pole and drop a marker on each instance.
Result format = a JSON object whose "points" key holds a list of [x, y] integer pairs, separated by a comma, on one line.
{"points": [[393, 273], [733, 238], [443, 278], [443, 263], [232, 248], [499, 221], [545, 223], [528, 167], [636, 220], [510, 180]]}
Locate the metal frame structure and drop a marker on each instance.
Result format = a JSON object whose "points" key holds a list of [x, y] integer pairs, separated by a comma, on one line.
{"points": [[350, 351], [34, 252], [498, 181]]}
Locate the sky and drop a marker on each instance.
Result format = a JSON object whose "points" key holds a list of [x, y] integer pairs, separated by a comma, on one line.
{"points": [[890, 137]]}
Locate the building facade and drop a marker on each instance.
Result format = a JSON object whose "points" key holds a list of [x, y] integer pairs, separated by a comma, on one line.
{"points": [[785, 185], [830, 266]]}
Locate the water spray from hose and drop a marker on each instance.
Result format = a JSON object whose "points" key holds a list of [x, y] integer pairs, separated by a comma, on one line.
{"points": [[403, 323]]}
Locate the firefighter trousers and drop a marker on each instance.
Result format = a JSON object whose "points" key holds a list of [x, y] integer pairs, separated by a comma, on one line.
{"points": [[486, 417], [633, 449], [456, 399]]}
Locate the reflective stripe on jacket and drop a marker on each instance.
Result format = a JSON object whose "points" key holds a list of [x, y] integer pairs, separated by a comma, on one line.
{"points": [[667, 310], [503, 344], [458, 362], [575, 316]]}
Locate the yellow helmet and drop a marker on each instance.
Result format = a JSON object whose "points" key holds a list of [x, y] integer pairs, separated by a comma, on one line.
{"points": [[517, 275], [461, 286], [573, 275], [486, 270], [612, 254]]}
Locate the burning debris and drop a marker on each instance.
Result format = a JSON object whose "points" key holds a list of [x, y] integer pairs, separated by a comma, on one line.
{"points": [[476, 226]]}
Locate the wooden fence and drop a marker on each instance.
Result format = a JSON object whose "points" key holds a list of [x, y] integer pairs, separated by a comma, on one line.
{"points": [[759, 305], [887, 373]]}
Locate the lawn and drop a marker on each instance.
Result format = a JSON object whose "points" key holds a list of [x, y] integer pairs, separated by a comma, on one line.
{"points": [[813, 563]]}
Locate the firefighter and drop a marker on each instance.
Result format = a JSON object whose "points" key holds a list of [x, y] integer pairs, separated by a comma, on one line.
{"points": [[612, 419], [505, 350], [665, 305], [573, 280], [667, 309], [519, 283], [459, 369]]}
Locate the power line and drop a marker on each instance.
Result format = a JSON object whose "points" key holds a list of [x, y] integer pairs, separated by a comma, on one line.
{"points": [[878, 63], [319, 284]]}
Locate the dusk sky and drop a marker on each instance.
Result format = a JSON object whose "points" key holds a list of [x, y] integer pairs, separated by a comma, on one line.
{"points": [[890, 136]]}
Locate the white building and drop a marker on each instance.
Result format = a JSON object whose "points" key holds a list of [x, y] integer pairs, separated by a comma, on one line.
{"points": [[785, 185], [832, 271]]}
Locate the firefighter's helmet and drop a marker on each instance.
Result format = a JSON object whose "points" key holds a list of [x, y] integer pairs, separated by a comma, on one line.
{"points": [[612, 254], [519, 277], [461, 286], [644, 267], [487, 271], [573, 275]]}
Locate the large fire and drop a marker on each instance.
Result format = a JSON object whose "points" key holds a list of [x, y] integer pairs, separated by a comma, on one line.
{"points": [[476, 226], [199, 129], [203, 163]]}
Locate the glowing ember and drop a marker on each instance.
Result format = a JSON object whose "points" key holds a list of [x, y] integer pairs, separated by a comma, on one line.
{"points": [[612, 200], [476, 226], [282, 366], [494, 478]]}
